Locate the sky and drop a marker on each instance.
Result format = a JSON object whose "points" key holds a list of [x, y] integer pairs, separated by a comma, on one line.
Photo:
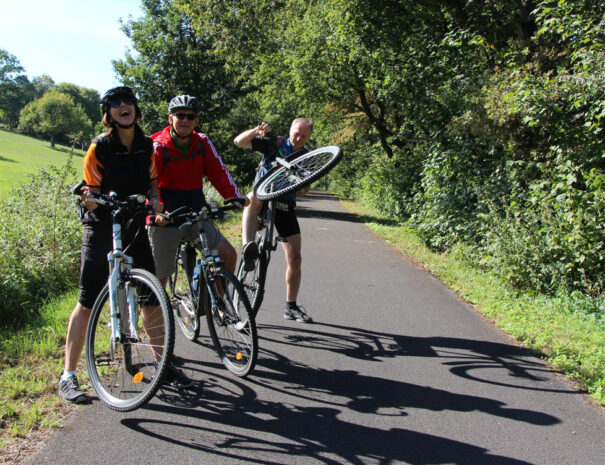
{"points": [[72, 41]]}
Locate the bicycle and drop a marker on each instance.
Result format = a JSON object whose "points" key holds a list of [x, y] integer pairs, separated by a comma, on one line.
{"points": [[201, 286], [130, 334], [288, 174]]}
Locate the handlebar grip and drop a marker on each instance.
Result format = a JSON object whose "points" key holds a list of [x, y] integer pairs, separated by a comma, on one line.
{"points": [[77, 190], [232, 200]]}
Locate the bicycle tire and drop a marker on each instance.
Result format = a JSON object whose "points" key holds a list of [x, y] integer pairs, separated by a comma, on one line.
{"points": [[107, 359], [231, 324], [184, 300], [306, 168], [253, 281]]}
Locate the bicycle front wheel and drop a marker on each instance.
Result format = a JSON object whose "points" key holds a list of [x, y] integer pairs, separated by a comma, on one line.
{"points": [[231, 324], [126, 372], [183, 297], [303, 170]]}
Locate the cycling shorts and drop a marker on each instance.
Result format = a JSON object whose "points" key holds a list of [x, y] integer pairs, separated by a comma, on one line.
{"points": [[165, 240], [286, 222], [96, 244]]}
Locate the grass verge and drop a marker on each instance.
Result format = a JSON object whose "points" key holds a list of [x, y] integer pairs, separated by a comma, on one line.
{"points": [[566, 331]]}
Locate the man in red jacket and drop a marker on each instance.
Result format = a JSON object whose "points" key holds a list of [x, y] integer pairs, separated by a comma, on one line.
{"points": [[183, 157]]}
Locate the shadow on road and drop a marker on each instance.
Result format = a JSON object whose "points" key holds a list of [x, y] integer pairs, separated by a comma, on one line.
{"points": [[304, 212], [314, 424]]}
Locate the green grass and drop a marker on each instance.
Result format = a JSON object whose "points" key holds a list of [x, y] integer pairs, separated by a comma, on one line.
{"points": [[20, 155]]}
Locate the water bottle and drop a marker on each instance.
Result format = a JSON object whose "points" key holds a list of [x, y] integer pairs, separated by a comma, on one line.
{"points": [[196, 274]]}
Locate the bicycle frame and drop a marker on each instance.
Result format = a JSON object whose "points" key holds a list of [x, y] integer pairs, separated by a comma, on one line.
{"points": [[269, 241], [119, 263]]}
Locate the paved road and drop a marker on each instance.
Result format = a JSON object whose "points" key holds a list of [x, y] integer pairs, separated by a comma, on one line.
{"points": [[396, 369]]}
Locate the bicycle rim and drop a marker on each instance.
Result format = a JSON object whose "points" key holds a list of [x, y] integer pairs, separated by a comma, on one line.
{"points": [[182, 297], [231, 324], [305, 169], [125, 374]]}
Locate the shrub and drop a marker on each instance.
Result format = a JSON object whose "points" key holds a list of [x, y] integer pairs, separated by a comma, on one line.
{"points": [[40, 237]]}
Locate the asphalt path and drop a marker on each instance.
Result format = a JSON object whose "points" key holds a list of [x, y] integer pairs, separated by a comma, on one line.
{"points": [[395, 369]]}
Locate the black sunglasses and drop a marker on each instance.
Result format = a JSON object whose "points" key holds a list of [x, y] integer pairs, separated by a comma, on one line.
{"points": [[116, 102], [189, 116]]}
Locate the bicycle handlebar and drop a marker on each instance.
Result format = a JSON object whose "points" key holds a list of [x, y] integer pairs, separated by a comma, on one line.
{"points": [[112, 201], [207, 211]]}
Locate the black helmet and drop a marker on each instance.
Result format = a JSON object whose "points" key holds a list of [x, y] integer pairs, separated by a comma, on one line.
{"points": [[183, 102]]}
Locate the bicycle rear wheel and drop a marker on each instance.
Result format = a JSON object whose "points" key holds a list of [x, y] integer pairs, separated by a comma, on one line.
{"points": [[183, 298], [253, 281], [231, 324], [305, 169], [126, 373]]}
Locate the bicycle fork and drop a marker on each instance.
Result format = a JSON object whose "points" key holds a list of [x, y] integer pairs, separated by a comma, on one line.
{"points": [[121, 298]]}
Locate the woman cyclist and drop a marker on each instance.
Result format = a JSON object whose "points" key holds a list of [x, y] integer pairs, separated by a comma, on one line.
{"points": [[119, 160]]}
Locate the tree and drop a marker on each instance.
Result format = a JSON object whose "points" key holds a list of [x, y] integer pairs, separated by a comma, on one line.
{"points": [[54, 114], [43, 84], [15, 89], [172, 59], [88, 99]]}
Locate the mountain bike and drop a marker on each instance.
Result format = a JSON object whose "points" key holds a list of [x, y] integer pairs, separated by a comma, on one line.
{"points": [[200, 285], [130, 334], [289, 174]]}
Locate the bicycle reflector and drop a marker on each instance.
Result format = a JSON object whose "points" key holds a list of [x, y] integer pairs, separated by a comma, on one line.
{"points": [[138, 377]]}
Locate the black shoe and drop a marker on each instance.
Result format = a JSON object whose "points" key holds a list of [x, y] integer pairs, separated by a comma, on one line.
{"points": [[250, 253], [298, 313], [69, 389], [175, 377]]}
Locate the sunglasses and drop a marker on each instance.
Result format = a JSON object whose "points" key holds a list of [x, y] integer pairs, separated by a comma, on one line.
{"points": [[189, 116], [115, 103]]}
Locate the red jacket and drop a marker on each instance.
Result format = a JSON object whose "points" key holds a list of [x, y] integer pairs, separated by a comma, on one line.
{"points": [[181, 177]]}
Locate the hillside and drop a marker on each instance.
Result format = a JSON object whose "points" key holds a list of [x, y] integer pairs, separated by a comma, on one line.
{"points": [[20, 155]]}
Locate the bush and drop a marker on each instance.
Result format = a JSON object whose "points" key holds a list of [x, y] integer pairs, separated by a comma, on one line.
{"points": [[40, 235]]}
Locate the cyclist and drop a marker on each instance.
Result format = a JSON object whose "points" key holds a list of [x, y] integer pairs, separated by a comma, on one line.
{"points": [[286, 221], [183, 157], [118, 160]]}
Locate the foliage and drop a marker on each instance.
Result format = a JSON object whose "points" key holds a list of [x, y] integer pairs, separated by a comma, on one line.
{"points": [[172, 59], [15, 89], [55, 114], [88, 99], [40, 228]]}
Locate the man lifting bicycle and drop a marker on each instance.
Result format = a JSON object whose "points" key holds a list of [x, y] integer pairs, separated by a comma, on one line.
{"points": [[286, 221]]}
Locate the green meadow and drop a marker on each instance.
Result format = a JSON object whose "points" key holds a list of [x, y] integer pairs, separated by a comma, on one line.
{"points": [[20, 155]]}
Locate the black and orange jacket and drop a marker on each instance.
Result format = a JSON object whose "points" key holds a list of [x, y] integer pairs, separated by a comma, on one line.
{"points": [[109, 166]]}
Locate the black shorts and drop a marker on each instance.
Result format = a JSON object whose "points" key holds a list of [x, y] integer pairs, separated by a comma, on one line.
{"points": [[96, 244], [286, 222]]}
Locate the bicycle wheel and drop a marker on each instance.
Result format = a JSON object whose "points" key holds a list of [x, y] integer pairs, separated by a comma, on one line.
{"points": [[253, 281], [126, 373], [183, 298], [231, 324], [305, 169]]}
